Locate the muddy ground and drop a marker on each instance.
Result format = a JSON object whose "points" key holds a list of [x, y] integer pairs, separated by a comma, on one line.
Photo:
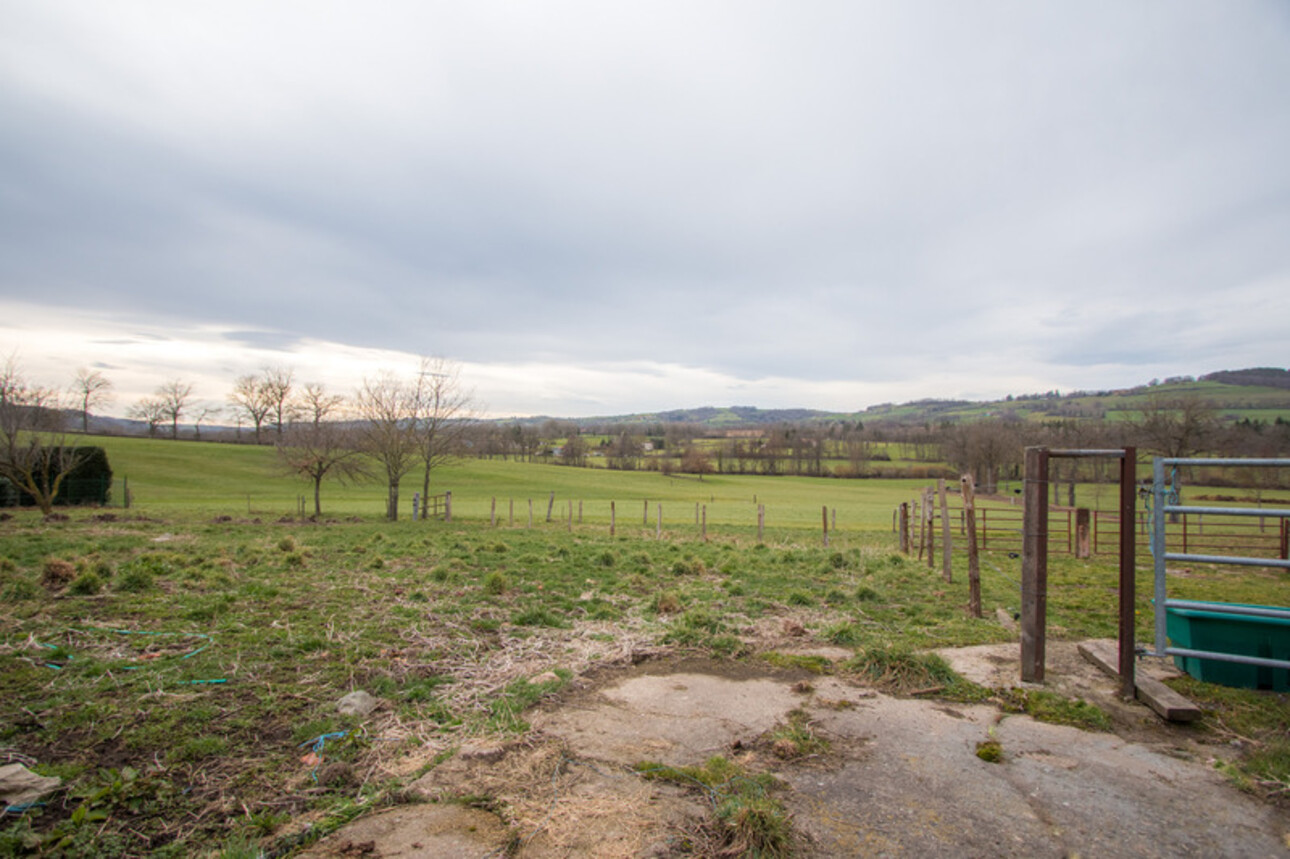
{"points": [[900, 777]]}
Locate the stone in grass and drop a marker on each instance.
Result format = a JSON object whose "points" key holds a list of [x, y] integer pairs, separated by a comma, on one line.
{"points": [[20, 786], [357, 703]]}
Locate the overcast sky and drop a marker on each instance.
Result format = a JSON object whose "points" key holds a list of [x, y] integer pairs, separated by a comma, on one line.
{"points": [[601, 207]]}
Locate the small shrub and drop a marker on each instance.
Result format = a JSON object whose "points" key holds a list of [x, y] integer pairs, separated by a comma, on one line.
{"points": [[837, 560], [606, 559], [496, 584], [287, 544]]}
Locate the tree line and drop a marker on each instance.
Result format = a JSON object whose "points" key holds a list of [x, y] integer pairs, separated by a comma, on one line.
{"points": [[389, 427]]}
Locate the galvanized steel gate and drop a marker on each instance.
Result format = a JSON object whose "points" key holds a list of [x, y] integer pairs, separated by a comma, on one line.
{"points": [[1164, 501]]}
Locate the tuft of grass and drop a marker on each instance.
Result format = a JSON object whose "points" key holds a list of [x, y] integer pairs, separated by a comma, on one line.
{"points": [[990, 751], [747, 820], [899, 669], [86, 584], [667, 602], [495, 584], [807, 662], [795, 738], [1046, 706], [57, 573]]}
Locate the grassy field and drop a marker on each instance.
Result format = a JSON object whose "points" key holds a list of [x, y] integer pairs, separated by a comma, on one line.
{"points": [[178, 664]]}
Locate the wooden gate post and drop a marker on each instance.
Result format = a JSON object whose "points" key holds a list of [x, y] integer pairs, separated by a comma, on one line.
{"points": [[1034, 566]]}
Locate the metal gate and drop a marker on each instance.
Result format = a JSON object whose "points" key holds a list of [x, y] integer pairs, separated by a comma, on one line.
{"points": [[1165, 497]]}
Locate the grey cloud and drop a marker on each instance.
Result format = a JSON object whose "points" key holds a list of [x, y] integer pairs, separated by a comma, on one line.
{"points": [[759, 189]]}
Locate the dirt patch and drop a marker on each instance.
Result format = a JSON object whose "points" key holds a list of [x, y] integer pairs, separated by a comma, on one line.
{"points": [[898, 777], [447, 831]]}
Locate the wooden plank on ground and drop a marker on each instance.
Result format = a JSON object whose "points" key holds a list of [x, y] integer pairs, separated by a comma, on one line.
{"points": [[1156, 695]]}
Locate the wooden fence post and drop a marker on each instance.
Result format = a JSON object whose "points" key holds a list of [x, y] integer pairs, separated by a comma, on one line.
{"points": [[512, 512], [1034, 566], [613, 518], [922, 524], [704, 531], [570, 503], [645, 516], [904, 527], [579, 511], [947, 545], [929, 507], [1083, 547], [968, 489], [530, 513], [492, 513], [824, 517], [447, 507], [550, 505], [761, 521], [658, 523]]}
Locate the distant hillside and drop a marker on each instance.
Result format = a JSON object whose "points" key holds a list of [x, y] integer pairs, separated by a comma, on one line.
{"points": [[1269, 377], [1255, 394]]}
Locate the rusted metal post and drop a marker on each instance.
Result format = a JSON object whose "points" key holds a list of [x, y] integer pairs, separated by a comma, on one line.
{"points": [[1128, 573], [1034, 566]]}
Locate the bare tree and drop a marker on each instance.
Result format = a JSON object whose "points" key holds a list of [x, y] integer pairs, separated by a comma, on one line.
{"points": [[316, 405], [387, 408], [250, 398], [1176, 426], [574, 450], [277, 385], [92, 389], [174, 396], [443, 413], [316, 450], [33, 453], [151, 411], [202, 413]]}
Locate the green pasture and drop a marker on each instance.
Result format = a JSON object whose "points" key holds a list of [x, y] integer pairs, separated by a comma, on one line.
{"points": [[247, 480], [171, 662]]}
